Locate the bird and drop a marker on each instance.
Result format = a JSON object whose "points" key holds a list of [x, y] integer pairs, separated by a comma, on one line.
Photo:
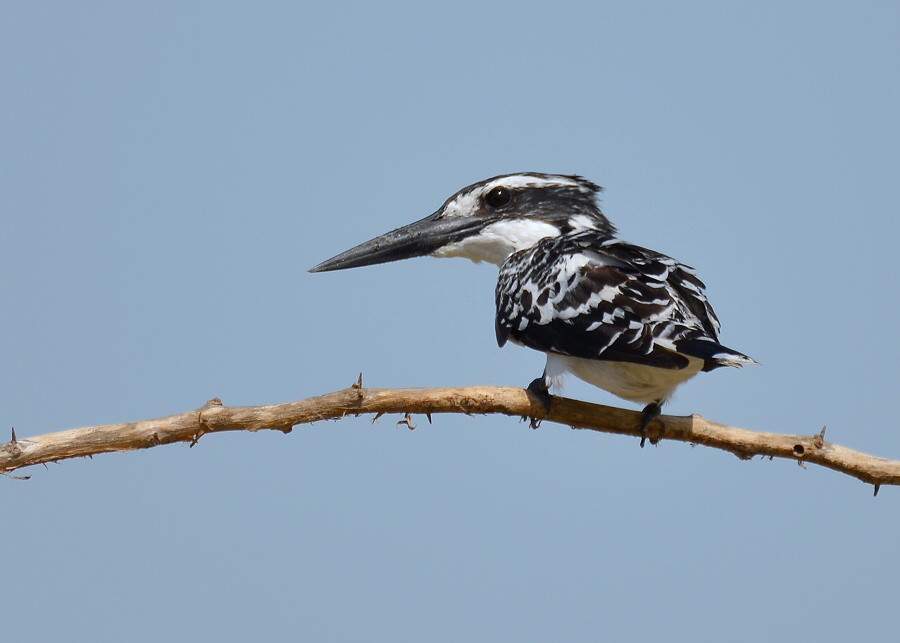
{"points": [[627, 319]]}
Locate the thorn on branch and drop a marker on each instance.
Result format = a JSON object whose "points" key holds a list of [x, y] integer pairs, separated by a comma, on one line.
{"points": [[407, 420], [819, 438], [357, 386], [201, 423], [12, 447], [11, 476]]}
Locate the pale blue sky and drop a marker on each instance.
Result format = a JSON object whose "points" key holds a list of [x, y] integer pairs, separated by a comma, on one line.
{"points": [[170, 171]]}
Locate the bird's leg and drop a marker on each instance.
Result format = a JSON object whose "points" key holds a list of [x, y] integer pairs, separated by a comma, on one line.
{"points": [[541, 390], [650, 411]]}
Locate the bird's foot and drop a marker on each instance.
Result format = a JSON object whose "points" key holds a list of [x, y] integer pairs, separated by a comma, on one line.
{"points": [[650, 411], [541, 391]]}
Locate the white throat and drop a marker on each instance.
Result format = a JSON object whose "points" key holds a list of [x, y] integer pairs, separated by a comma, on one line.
{"points": [[497, 241]]}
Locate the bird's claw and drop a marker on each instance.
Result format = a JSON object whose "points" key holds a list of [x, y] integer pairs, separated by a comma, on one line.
{"points": [[539, 389], [650, 411]]}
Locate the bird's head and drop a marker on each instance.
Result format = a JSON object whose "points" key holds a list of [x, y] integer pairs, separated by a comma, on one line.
{"points": [[488, 221]]}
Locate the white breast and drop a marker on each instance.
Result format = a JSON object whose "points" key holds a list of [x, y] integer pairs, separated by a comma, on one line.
{"points": [[634, 382]]}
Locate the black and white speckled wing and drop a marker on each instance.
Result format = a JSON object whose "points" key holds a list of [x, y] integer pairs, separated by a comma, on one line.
{"points": [[593, 296]]}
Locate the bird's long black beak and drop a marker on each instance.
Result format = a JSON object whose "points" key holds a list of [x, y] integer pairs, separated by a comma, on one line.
{"points": [[413, 240]]}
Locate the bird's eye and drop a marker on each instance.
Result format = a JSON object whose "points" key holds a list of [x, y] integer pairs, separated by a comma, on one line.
{"points": [[498, 197]]}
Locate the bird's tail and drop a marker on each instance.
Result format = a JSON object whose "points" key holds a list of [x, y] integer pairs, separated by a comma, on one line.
{"points": [[713, 354]]}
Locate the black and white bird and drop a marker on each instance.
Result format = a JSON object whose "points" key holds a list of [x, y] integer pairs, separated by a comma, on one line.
{"points": [[627, 319]]}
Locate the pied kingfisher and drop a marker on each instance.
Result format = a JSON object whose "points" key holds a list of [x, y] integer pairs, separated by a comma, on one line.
{"points": [[627, 319]]}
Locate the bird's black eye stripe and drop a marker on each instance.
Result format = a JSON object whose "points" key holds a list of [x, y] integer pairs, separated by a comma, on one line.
{"points": [[498, 197]]}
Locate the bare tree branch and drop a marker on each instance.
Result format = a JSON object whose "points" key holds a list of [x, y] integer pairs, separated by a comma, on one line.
{"points": [[213, 417]]}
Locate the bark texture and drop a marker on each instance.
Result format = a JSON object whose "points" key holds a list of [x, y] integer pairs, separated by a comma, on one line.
{"points": [[213, 417]]}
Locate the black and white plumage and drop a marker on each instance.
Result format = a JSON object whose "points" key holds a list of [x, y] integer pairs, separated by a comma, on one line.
{"points": [[627, 319], [624, 318]]}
